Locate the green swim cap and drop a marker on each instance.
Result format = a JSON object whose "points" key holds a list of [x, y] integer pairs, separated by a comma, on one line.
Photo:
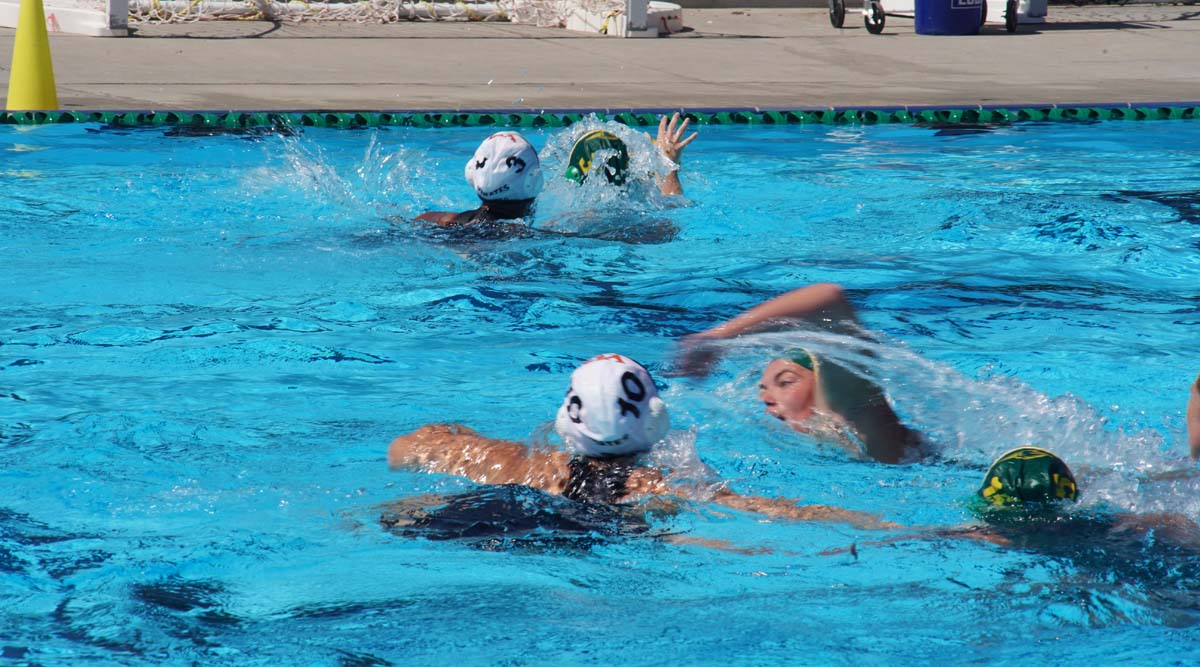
{"points": [[1028, 475], [580, 162], [801, 357]]}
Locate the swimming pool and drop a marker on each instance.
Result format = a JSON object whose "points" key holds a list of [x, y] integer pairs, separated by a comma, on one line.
{"points": [[206, 344]]}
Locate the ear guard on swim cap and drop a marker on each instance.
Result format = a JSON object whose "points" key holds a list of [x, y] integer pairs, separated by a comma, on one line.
{"points": [[616, 166], [612, 408], [505, 167], [1028, 475]]}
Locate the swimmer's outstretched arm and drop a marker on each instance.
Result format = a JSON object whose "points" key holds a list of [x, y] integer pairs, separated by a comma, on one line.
{"points": [[824, 304], [454, 449], [786, 508], [1193, 419], [819, 303], [457, 450], [671, 142]]}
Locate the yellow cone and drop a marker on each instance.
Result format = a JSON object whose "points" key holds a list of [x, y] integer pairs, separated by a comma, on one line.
{"points": [[31, 80]]}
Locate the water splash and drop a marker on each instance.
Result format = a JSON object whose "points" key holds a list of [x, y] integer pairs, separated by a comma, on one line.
{"points": [[388, 180], [566, 206], [969, 422]]}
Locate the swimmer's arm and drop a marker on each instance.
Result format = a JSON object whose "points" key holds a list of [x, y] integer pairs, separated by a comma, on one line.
{"points": [[820, 303], [670, 185], [647, 481], [1193, 419], [457, 450], [863, 406], [442, 218], [785, 508]]}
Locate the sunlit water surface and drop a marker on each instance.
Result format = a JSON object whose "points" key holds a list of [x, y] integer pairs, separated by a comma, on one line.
{"points": [[206, 344]]}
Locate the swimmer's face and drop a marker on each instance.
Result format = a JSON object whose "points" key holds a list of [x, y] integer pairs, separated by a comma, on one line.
{"points": [[788, 391]]}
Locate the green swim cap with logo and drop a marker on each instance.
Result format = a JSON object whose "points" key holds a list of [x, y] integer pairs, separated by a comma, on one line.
{"points": [[1028, 475], [580, 162]]}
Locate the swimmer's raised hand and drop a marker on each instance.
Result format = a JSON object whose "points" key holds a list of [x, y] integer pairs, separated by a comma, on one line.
{"points": [[670, 136]]}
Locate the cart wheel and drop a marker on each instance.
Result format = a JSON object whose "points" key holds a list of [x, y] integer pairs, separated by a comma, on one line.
{"points": [[837, 12], [874, 19], [1010, 16], [983, 14]]}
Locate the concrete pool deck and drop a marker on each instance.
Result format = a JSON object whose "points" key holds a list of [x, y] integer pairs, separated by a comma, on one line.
{"points": [[758, 57]]}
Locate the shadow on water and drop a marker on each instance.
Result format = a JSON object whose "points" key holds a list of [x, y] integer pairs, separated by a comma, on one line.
{"points": [[513, 517], [959, 129], [1108, 568], [630, 228], [28, 546], [188, 610], [171, 598], [1186, 203], [279, 129]]}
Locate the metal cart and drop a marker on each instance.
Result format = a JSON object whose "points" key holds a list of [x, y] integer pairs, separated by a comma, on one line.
{"points": [[874, 15]]}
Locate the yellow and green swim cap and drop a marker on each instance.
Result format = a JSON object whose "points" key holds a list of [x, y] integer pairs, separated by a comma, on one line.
{"points": [[1028, 475], [580, 163]]}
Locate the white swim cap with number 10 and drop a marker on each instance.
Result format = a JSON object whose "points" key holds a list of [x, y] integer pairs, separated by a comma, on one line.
{"points": [[505, 166], [612, 408]]}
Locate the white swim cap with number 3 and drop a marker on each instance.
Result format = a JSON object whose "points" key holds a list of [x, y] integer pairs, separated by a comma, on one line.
{"points": [[612, 408], [505, 166]]}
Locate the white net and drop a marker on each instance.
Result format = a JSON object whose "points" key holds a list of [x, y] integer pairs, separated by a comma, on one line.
{"points": [[535, 12]]}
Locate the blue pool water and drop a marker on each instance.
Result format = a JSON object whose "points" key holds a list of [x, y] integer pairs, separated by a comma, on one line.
{"points": [[207, 343]]}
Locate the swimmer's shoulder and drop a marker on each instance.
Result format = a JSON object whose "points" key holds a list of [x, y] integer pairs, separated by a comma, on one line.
{"points": [[862, 404], [440, 218], [451, 219]]}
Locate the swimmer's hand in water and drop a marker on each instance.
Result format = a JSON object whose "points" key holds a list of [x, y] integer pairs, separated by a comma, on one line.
{"points": [[697, 355]]}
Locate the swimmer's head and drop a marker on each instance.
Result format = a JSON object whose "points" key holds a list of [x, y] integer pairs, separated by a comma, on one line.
{"points": [[505, 167], [612, 408], [1028, 477], [788, 388], [616, 164]]}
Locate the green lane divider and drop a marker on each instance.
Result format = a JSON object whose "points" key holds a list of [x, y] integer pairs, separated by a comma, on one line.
{"points": [[235, 120]]}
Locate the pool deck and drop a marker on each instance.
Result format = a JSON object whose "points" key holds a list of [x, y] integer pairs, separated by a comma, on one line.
{"points": [[757, 57]]}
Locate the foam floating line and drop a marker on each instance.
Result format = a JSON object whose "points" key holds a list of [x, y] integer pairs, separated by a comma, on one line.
{"points": [[637, 118]]}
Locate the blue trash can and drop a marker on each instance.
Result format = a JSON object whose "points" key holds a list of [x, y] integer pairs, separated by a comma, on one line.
{"points": [[948, 17]]}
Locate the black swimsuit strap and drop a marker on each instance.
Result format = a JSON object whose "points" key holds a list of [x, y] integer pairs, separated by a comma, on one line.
{"points": [[494, 211], [597, 480]]}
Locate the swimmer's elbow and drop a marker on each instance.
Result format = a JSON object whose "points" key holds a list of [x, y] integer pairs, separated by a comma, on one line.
{"points": [[830, 291], [834, 304], [418, 447], [399, 453]]}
